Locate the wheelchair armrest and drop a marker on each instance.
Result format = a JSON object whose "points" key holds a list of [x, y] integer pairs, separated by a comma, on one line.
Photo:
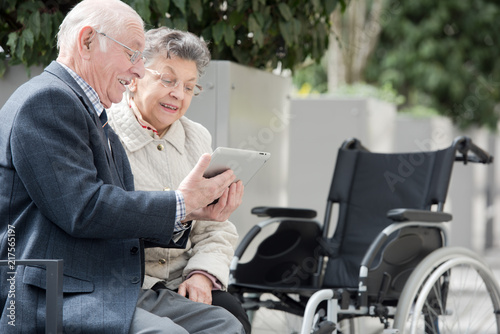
{"points": [[53, 292], [269, 211], [242, 246], [404, 215]]}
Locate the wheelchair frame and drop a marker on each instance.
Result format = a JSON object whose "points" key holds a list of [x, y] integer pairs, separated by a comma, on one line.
{"points": [[427, 288]]}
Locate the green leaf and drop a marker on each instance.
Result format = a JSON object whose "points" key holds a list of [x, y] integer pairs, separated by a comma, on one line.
{"points": [[12, 42], [286, 30], [34, 24], [181, 4], [197, 9], [180, 23], [163, 6], [2, 67], [285, 11], [218, 31], [255, 6], [236, 18], [142, 8], [330, 6], [241, 55], [10, 5], [229, 36], [28, 37], [20, 48], [254, 27], [46, 23], [260, 19], [316, 5], [297, 27], [57, 19], [259, 37], [240, 4]]}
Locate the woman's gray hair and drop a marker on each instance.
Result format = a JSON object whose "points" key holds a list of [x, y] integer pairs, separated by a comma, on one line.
{"points": [[108, 16], [169, 43]]}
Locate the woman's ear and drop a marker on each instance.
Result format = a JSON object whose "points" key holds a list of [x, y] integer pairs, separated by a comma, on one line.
{"points": [[133, 85]]}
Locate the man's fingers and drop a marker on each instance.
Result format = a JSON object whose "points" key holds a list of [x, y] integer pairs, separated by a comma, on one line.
{"points": [[202, 165], [225, 179]]}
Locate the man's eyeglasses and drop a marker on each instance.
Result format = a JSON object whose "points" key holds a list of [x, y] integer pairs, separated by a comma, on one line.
{"points": [[169, 82], [136, 54]]}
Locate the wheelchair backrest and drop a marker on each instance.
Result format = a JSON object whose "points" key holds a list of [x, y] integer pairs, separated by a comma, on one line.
{"points": [[366, 186]]}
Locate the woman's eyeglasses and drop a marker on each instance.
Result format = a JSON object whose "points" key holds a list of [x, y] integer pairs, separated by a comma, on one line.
{"points": [[170, 82]]}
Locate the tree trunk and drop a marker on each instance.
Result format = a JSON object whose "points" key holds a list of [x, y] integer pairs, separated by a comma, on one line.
{"points": [[353, 37]]}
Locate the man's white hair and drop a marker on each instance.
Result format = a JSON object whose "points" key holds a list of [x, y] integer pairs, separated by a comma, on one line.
{"points": [[108, 16]]}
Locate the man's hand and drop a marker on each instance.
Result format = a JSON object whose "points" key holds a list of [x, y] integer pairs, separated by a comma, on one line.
{"points": [[229, 201], [198, 192], [198, 288]]}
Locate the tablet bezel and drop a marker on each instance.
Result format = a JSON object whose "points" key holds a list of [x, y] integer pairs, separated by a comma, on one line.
{"points": [[244, 163]]}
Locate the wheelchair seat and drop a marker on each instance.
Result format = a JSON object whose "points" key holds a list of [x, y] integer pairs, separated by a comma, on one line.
{"points": [[280, 258]]}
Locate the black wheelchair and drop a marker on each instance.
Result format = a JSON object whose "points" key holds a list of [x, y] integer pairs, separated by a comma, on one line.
{"points": [[388, 257]]}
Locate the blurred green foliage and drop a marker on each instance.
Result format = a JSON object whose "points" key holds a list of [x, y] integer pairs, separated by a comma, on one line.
{"points": [[257, 33], [443, 55], [312, 75], [27, 31]]}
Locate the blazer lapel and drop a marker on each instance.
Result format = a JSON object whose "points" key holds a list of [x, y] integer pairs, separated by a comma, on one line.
{"points": [[57, 70]]}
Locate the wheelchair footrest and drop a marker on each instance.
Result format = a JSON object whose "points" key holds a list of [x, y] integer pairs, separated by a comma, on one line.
{"points": [[325, 327]]}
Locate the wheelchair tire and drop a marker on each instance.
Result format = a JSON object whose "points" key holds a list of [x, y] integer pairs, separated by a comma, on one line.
{"points": [[265, 321], [451, 291]]}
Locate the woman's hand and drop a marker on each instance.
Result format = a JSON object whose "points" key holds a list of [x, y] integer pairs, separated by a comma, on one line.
{"points": [[197, 288]]}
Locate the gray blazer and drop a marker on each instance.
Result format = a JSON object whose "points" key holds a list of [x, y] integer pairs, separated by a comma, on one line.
{"points": [[69, 197]]}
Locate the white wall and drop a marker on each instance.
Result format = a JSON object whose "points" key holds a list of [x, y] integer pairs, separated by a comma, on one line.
{"points": [[14, 77], [318, 127]]}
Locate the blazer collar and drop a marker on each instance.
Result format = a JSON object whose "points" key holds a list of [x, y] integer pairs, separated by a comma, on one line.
{"points": [[56, 69]]}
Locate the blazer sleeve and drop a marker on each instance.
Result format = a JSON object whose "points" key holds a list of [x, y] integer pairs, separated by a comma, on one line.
{"points": [[60, 158]]}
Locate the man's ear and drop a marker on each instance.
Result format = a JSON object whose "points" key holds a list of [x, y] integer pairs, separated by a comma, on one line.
{"points": [[86, 43]]}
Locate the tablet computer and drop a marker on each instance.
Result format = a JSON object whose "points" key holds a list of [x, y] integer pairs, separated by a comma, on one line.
{"points": [[244, 163]]}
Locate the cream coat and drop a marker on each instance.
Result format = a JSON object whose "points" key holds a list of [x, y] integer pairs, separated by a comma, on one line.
{"points": [[160, 164]]}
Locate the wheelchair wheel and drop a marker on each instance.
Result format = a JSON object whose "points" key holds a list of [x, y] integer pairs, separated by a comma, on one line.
{"points": [[451, 291], [272, 321], [266, 321]]}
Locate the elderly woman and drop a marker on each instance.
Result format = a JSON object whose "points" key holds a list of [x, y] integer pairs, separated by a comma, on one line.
{"points": [[163, 146]]}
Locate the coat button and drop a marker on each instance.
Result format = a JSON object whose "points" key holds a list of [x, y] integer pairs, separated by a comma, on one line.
{"points": [[135, 280], [134, 250], [160, 147], [162, 261]]}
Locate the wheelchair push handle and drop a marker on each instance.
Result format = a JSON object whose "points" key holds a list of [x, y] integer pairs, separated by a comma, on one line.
{"points": [[464, 145]]}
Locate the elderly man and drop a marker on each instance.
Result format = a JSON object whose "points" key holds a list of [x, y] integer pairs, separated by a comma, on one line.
{"points": [[67, 191]]}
